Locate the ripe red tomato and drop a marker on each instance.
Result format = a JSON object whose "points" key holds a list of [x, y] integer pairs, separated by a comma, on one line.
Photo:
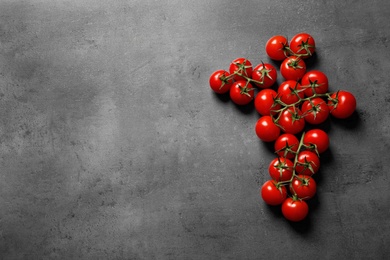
{"points": [[303, 44], [265, 75], [342, 104], [295, 209], [303, 186], [315, 82], [308, 163], [265, 102], [316, 139], [290, 92], [219, 81], [241, 66], [276, 47], [281, 169], [266, 129], [291, 121], [272, 193], [315, 111], [286, 145], [242, 92], [293, 68]]}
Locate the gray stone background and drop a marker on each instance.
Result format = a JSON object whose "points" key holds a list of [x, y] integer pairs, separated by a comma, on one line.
{"points": [[114, 147]]}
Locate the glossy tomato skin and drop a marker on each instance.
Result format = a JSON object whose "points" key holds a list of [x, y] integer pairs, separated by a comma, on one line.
{"points": [[293, 68], [272, 194], [303, 186], [315, 82], [265, 102], [315, 111], [303, 44], [266, 129], [316, 139], [295, 210], [242, 92], [276, 47], [342, 104], [281, 169], [308, 163], [291, 121], [219, 82], [290, 92], [286, 145], [265, 73], [242, 66]]}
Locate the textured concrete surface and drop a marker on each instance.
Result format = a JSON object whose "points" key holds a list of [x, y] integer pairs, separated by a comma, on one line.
{"points": [[114, 147]]}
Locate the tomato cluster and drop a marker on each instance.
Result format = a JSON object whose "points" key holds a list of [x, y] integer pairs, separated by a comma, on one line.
{"points": [[301, 101]]}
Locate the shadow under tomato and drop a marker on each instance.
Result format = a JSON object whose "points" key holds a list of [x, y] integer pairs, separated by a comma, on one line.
{"points": [[352, 122], [246, 109], [224, 98]]}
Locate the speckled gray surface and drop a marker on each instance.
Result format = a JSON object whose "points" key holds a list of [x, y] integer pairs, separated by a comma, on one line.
{"points": [[114, 147]]}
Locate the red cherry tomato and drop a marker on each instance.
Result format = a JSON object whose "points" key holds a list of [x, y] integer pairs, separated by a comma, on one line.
{"points": [[265, 75], [291, 120], [266, 129], [272, 193], [286, 145], [314, 82], [241, 67], [281, 169], [290, 92], [276, 47], [316, 139], [308, 163], [303, 44], [265, 102], [220, 82], [294, 209], [342, 104], [293, 68], [303, 186], [315, 111], [242, 92]]}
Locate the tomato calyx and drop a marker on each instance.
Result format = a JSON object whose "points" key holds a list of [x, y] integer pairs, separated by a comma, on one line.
{"points": [[241, 67], [334, 101], [245, 90], [307, 165], [224, 79], [287, 149], [313, 85], [294, 63], [306, 47]]}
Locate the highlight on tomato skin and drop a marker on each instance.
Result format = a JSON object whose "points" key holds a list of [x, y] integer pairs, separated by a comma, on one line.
{"points": [[220, 82], [272, 193], [277, 47]]}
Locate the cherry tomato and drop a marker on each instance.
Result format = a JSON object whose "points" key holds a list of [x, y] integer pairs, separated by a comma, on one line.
{"points": [[266, 129], [291, 120], [308, 163], [286, 145], [265, 102], [314, 82], [220, 82], [241, 66], [272, 193], [290, 92], [264, 73], [303, 44], [242, 92], [281, 169], [294, 209], [342, 104], [316, 140], [293, 68], [276, 47], [303, 186], [315, 111]]}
